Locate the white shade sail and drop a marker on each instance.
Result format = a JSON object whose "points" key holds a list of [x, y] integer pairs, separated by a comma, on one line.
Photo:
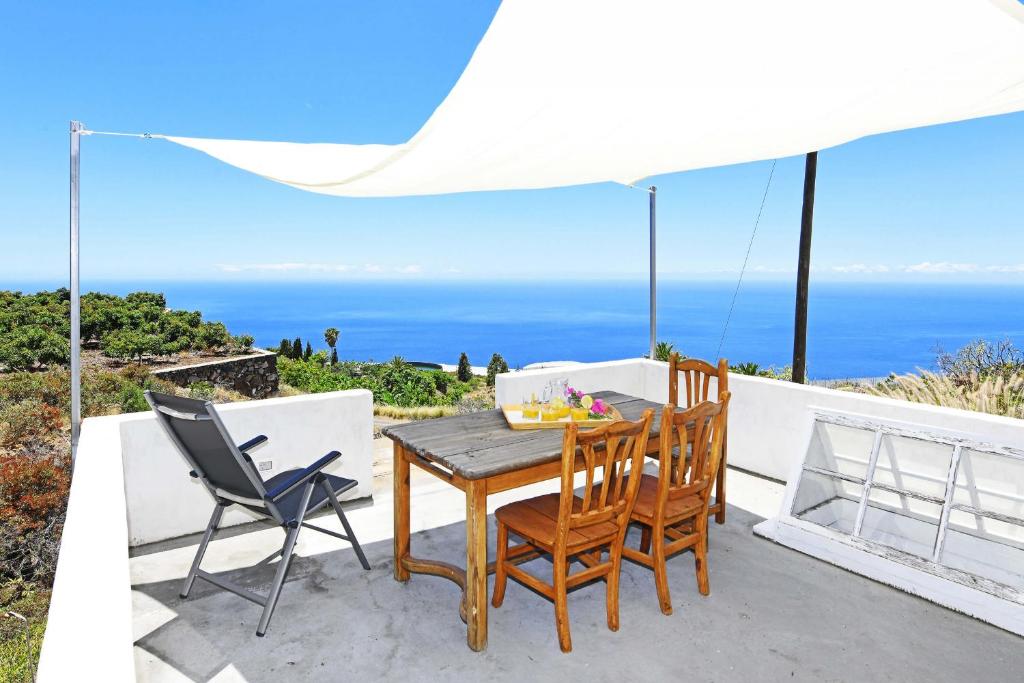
{"points": [[567, 92]]}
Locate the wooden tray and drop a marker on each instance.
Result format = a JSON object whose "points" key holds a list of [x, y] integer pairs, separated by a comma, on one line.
{"points": [[514, 417]]}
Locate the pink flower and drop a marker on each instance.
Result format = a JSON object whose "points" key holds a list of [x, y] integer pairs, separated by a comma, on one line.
{"points": [[599, 407]]}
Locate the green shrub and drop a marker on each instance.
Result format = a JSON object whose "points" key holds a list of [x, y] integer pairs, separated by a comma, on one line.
{"points": [[29, 346], [242, 343], [203, 391], [981, 360], [213, 336], [745, 368], [465, 371], [495, 367], [27, 420], [127, 344], [663, 351], [18, 657], [394, 383]]}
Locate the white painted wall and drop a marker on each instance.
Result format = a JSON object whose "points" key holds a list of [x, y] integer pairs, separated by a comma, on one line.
{"points": [[130, 486], [89, 628], [768, 418], [163, 501]]}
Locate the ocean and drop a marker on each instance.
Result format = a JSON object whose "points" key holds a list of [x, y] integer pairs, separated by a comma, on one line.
{"points": [[854, 330]]}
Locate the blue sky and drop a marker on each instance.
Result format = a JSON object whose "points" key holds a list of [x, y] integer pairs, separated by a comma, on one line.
{"points": [[937, 204]]}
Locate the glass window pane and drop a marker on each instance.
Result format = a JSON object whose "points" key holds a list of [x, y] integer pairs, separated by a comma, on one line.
{"points": [[827, 501], [912, 531], [991, 482], [840, 449], [913, 465], [975, 554]]}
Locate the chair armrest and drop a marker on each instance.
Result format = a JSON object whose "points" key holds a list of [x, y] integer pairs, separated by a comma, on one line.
{"points": [[302, 476], [253, 443]]}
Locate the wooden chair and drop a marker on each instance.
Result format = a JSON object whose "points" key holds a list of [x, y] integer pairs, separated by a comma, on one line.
{"points": [[697, 376], [674, 505], [568, 527]]}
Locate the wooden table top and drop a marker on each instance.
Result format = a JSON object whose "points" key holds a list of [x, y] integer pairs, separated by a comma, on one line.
{"points": [[481, 445]]}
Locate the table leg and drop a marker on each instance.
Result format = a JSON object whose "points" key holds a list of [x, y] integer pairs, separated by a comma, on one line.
{"points": [[476, 564], [401, 503]]}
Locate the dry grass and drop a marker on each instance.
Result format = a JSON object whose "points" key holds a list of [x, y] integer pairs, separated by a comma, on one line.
{"points": [[995, 395], [414, 412]]}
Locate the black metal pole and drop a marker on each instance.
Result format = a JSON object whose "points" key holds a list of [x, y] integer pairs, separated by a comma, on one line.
{"points": [[803, 271]]}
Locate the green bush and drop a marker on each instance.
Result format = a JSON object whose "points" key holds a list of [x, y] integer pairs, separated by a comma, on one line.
{"points": [[213, 336], [18, 657], [242, 343], [495, 367], [131, 344], [465, 371], [745, 368], [395, 383], [27, 420], [663, 351], [34, 328], [981, 360], [29, 346], [203, 391]]}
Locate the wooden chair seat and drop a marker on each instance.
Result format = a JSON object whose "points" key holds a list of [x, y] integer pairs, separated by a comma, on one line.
{"points": [[697, 375], [672, 509], [647, 504], [536, 520], [569, 527]]}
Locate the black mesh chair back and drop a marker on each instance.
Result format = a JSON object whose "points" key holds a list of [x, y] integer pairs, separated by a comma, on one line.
{"points": [[227, 472], [196, 430]]}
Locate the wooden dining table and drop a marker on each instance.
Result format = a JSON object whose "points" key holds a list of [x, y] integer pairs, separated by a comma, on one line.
{"points": [[479, 454]]}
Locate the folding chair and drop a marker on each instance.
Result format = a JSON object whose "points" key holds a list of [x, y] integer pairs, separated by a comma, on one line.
{"points": [[228, 473]]}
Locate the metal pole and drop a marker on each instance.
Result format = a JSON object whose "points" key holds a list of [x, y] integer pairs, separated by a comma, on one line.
{"points": [[76, 304], [803, 271], [654, 272]]}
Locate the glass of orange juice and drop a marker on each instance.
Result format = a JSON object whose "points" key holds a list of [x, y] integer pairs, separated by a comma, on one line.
{"points": [[531, 409], [580, 414], [549, 413]]}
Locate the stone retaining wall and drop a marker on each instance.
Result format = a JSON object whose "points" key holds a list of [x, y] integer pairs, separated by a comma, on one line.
{"points": [[254, 376]]}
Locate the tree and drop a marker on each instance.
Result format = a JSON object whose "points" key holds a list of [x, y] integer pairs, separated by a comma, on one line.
{"points": [[284, 348], [334, 357], [465, 371], [495, 367], [30, 345], [308, 352], [331, 335], [213, 336], [297, 348], [127, 344]]}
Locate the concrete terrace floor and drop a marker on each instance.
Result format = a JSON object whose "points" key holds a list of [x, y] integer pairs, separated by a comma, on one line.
{"points": [[773, 613]]}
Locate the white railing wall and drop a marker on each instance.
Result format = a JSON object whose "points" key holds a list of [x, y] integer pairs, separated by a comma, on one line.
{"points": [[164, 502], [130, 486], [768, 418]]}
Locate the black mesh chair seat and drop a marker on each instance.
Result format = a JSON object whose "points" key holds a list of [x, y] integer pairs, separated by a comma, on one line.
{"points": [[288, 505], [227, 472]]}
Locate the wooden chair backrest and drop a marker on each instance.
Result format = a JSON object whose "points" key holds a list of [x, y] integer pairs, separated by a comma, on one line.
{"points": [[611, 448], [697, 376], [680, 477]]}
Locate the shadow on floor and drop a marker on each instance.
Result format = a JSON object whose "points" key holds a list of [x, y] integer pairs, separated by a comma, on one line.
{"points": [[772, 614]]}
